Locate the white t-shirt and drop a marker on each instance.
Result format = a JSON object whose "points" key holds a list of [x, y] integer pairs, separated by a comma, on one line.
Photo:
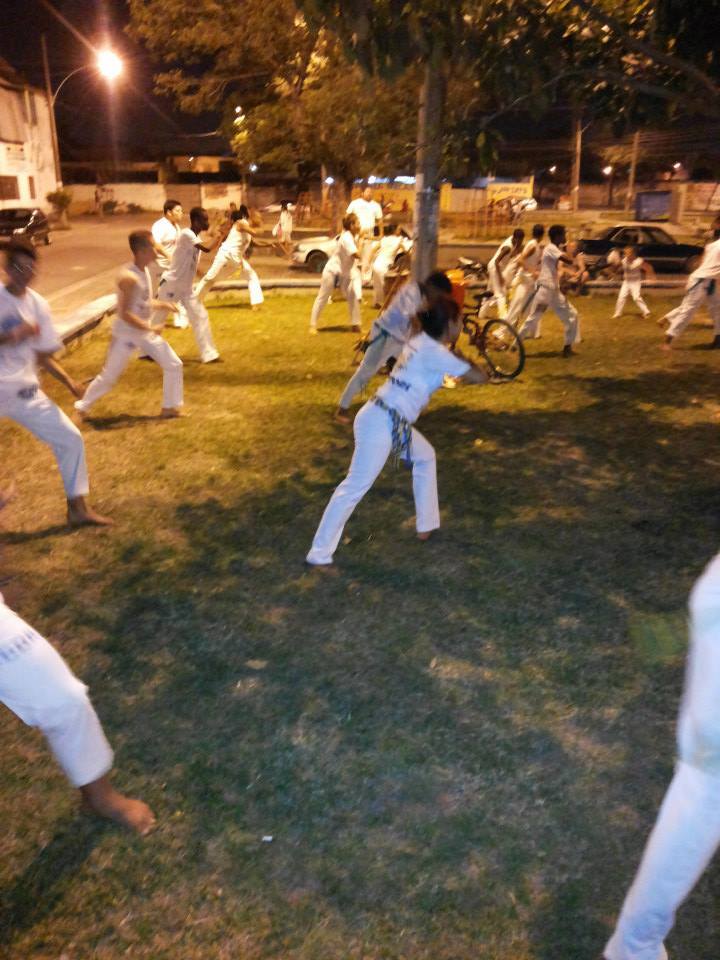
{"points": [[548, 276], [18, 362], [632, 269], [368, 213], [237, 241], [138, 303], [420, 371], [179, 279], [166, 234], [710, 265], [389, 249], [532, 252], [397, 316], [341, 259]]}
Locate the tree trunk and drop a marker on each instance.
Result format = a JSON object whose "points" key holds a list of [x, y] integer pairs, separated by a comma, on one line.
{"points": [[427, 175], [577, 159]]}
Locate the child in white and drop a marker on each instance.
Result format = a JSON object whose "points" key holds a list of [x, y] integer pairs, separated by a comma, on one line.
{"points": [[549, 295], [133, 331], [503, 256], [231, 255], [384, 425], [176, 285], [370, 216], [634, 268], [282, 231], [388, 248], [165, 233], [687, 831], [28, 337], [701, 288], [528, 269], [390, 332], [341, 269]]}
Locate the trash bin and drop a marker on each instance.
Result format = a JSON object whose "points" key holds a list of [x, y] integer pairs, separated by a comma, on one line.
{"points": [[457, 279]]}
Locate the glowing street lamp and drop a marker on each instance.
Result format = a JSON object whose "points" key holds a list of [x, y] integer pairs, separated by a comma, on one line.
{"points": [[552, 169], [607, 170], [109, 64]]}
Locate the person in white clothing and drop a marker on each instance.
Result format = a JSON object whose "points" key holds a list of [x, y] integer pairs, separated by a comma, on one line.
{"points": [[633, 269], [165, 233], [343, 270], [549, 296], [527, 274], [701, 288], [282, 231], [387, 248], [391, 331], [28, 338], [231, 255], [40, 689], [176, 285], [370, 216], [384, 426], [134, 330], [687, 831], [508, 250]]}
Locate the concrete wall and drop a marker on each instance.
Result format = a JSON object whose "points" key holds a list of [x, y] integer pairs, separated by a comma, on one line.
{"points": [[152, 196]]}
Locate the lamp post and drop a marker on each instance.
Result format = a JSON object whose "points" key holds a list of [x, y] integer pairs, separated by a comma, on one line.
{"points": [[107, 63]]}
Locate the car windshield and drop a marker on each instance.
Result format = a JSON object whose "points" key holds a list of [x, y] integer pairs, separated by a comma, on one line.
{"points": [[606, 234], [12, 216]]}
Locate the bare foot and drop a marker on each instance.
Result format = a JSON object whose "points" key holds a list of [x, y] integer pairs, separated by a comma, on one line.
{"points": [[102, 799], [171, 413], [312, 331], [424, 535], [341, 416], [79, 514], [7, 494], [79, 417], [666, 347]]}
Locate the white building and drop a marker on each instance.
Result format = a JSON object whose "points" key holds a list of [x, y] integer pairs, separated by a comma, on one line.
{"points": [[27, 169]]}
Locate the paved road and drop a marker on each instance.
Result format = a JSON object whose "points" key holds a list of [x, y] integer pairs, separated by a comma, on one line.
{"points": [[80, 264]]}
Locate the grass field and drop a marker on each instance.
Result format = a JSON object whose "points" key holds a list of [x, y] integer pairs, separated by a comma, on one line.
{"points": [[458, 747]]}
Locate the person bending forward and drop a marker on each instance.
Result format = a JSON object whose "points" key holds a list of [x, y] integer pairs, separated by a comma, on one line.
{"points": [[384, 426]]}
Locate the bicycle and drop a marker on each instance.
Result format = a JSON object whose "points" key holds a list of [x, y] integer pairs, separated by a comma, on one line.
{"points": [[497, 342]]}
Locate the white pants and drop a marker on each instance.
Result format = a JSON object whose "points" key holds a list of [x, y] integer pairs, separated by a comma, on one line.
{"points": [[381, 348], [687, 831], [633, 289], [350, 287], [499, 298], [224, 263], [373, 442], [549, 298], [48, 423], [199, 320], [39, 687], [179, 320], [366, 245], [120, 353], [695, 295], [521, 299]]}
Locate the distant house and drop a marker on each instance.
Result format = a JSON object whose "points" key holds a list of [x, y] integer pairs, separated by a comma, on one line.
{"points": [[27, 169]]}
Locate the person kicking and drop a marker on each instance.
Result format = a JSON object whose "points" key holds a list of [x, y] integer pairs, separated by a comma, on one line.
{"points": [[135, 331], [508, 251], [701, 288], [28, 338], [176, 284], [38, 687], [232, 255]]}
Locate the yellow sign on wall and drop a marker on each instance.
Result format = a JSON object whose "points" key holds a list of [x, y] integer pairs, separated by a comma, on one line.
{"points": [[520, 190]]}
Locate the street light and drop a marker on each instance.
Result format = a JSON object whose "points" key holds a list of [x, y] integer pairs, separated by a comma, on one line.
{"points": [[552, 169], [107, 63], [607, 170]]}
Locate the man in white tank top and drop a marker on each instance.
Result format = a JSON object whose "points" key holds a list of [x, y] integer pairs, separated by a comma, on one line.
{"points": [[633, 269], [231, 255], [135, 331], [529, 267]]}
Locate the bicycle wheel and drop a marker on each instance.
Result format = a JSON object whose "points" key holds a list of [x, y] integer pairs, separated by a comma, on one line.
{"points": [[502, 349]]}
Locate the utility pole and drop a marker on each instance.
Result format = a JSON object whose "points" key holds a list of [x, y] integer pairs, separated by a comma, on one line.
{"points": [[51, 110], [577, 154], [426, 220], [630, 195]]}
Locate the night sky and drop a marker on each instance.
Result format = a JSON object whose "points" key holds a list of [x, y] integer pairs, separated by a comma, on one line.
{"points": [[86, 112]]}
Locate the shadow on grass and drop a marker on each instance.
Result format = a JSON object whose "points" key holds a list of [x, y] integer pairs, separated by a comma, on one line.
{"points": [[457, 738], [42, 885]]}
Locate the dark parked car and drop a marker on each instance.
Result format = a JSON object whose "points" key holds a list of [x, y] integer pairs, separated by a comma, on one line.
{"points": [[654, 244], [26, 222]]}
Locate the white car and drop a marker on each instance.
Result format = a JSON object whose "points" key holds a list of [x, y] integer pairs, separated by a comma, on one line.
{"points": [[315, 252]]}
